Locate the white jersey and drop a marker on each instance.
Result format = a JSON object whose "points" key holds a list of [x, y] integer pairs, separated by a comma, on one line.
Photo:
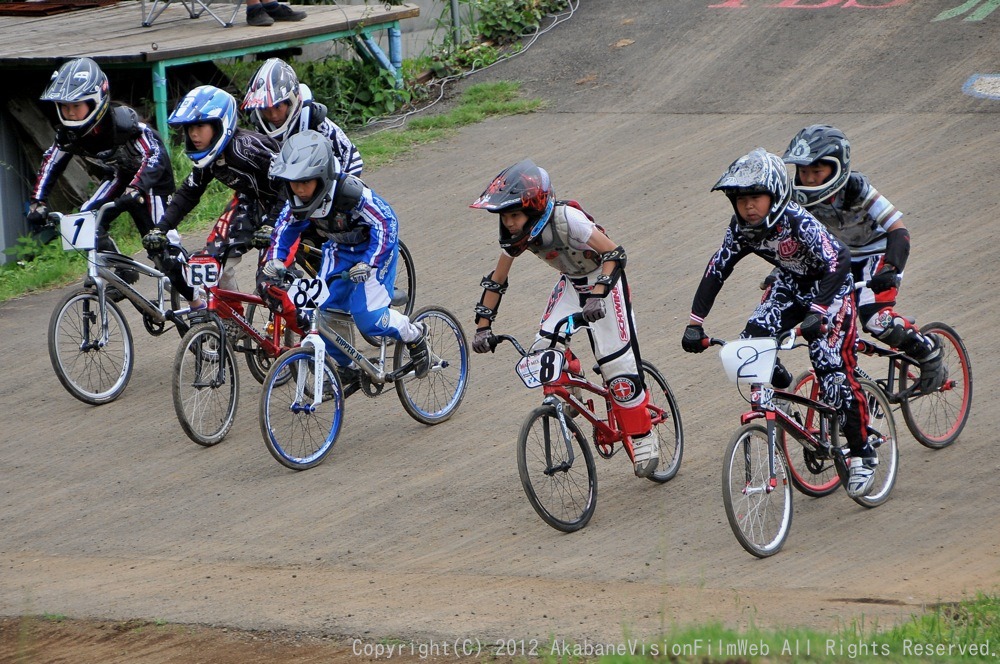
{"points": [[563, 242]]}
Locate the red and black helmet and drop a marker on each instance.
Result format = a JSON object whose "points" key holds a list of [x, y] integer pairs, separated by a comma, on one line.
{"points": [[523, 186]]}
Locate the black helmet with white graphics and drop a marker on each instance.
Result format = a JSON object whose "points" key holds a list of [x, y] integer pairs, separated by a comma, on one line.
{"points": [[79, 81], [817, 143], [307, 155], [758, 172]]}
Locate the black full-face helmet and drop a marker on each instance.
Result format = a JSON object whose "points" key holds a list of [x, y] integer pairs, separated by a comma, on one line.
{"points": [[523, 186], [758, 172], [307, 155], [79, 80], [816, 143]]}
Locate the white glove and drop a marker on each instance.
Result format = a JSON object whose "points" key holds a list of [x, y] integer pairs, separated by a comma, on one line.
{"points": [[360, 273], [275, 270]]}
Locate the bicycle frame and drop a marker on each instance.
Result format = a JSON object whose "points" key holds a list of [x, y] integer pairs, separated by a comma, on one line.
{"points": [[321, 332], [762, 406], [559, 391]]}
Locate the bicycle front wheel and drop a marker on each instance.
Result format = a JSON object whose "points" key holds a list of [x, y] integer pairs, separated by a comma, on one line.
{"points": [[936, 420], [557, 470], [882, 424], [297, 432], [205, 393], [435, 397], [669, 432], [93, 372], [812, 471], [759, 514]]}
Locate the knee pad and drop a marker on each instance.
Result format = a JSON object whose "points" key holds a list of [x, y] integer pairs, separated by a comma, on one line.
{"points": [[891, 328]]}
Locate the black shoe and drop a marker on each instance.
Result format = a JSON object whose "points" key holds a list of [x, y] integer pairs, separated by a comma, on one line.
{"points": [[419, 355], [350, 380], [284, 13], [933, 373], [258, 17], [127, 275], [106, 243]]}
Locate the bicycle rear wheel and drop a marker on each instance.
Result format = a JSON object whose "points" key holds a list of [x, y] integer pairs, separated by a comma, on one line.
{"points": [[298, 434], [669, 431], [204, 400], [561, 487], [880, 422], [435, 397], [258, 360], [813, 472], [760, 515], [936, 420], [93, 374]]}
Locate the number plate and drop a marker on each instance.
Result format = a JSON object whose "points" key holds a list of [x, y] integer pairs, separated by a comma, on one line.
{"points": [[79, 231], [202, 271], [309, 293], [538, 369]]}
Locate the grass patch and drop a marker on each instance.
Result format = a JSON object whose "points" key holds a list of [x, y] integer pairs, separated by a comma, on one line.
{"points": [[38, 267], [960, 632]]}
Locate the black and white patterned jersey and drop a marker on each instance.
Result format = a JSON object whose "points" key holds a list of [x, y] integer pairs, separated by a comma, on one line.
{"points": [[799, 245], [242, 166]]}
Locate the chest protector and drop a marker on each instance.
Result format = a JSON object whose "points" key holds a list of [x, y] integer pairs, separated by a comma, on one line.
{"points": [[553, 247]]}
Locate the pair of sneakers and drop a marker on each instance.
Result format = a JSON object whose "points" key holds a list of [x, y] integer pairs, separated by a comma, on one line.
{"points": [[263, 15]]}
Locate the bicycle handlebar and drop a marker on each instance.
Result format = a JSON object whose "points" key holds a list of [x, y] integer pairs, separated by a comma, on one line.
{"points": [[569, 322]]}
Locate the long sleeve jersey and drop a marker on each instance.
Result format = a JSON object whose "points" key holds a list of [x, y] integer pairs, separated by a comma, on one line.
{"points": [[369, 236], [126, 149], [243, 167], [798, 245]]}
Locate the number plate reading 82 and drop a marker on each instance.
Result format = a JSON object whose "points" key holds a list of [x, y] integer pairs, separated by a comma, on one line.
{"points": [[308, 293], [540, 368]]}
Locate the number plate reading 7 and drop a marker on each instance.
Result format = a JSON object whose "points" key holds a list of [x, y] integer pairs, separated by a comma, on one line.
{"points": [[202, 271], [79, 231], [538, 369], [309, 293]]}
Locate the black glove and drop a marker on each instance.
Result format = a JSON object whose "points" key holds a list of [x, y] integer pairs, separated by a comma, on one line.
{"points": [[593, 309], [262, 237], [768, 281], [481, 342], [886, 279], [695, 340], [155, 241], [813, 327], [131, 199], [38, 217]]}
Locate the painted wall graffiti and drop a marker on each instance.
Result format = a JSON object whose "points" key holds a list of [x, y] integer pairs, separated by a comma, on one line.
{"points": [[971, 10]]}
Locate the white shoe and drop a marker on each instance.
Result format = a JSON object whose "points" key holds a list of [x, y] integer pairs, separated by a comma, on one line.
{"points": [[647, 454], [861, 476]]}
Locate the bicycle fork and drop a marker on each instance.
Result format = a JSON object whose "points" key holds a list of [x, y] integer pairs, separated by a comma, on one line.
{"points": [[567, 440]]}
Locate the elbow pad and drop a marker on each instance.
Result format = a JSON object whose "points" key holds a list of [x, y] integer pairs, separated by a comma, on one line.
{"points": [[488, 285], [618, 257], [897, 248]]}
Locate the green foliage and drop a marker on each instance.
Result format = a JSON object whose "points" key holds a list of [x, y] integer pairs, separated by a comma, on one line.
{"points": [[505, 21]]}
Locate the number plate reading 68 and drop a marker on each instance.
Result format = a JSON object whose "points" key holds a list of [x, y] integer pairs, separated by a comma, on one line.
{"points": [[538, 369], [203, 271], [308, 293]]}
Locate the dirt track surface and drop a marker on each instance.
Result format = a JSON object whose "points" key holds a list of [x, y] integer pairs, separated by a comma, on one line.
{"points": [[424, 534]]}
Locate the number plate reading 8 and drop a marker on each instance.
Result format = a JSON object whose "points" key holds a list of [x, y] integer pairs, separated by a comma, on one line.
{"points": [[202, 271], [308, 293], [538, 369], [79, 231]]}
